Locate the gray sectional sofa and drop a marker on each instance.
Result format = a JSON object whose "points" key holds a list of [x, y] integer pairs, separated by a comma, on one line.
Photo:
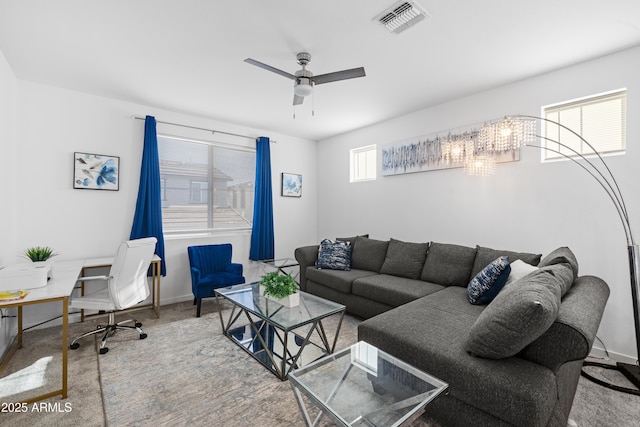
{"points": [[513, 362]]}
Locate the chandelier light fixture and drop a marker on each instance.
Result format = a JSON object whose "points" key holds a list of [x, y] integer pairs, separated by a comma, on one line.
{"points": [[480, 165]]}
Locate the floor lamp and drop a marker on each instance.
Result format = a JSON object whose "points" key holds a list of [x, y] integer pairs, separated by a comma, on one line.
{"points": [[515, 131]]}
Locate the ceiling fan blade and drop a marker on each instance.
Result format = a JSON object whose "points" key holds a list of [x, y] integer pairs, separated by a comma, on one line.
{"points": [[339, 75], [269, 68], [297, 100]]}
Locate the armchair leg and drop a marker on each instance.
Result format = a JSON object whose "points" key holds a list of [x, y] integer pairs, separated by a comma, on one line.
{"points": [[195, 300], [198, 307]]}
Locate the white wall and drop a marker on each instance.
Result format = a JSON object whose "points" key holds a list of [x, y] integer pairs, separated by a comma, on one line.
{"points": [[53, 123], [8, 89], [526, 206]]}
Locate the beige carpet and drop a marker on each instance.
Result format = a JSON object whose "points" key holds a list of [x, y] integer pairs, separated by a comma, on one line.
{"points": [[187, 374]]}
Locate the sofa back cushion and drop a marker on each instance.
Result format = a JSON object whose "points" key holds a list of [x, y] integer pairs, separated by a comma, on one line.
{"points": [[448, 264], [404, 259], [484, 256], [562, 255], [519, 315], [368, 254]]}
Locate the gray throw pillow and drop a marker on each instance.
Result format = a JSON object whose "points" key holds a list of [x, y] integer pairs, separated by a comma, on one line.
{"points": [[519, 315], [448, 264], [404, 259], [563, 274], [485, 255], [560, 256], [368, 254]]}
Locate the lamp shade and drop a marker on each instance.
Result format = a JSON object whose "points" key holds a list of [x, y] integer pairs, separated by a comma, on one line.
{"points": [[303, 87]]}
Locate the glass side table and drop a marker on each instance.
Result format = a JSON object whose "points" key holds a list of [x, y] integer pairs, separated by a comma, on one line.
{"points": [[363, 386]]}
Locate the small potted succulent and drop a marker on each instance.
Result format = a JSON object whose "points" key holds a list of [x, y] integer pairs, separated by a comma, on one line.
{"points": [[41, 258], [281, 288], [39, 253]]}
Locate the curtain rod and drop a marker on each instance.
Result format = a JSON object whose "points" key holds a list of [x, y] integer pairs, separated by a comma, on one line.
{"points": [[213, 131]]}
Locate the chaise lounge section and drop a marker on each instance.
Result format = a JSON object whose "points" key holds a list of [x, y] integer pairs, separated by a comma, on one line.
{"points": [[514, 361]]}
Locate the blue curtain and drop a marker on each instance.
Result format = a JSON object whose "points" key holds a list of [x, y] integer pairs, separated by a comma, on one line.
{"points": [[147, 221], [262, 232]]}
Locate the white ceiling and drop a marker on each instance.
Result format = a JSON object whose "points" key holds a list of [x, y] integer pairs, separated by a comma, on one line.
{"points": [[187, 55]]}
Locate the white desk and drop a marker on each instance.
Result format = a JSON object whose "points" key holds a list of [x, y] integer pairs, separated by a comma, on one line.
{"points": [[59, 288], [106, 262]]}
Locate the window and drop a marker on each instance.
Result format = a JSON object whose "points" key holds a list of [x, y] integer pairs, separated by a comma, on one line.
{"points": [[199, 192], [363, 164], [205, 186], [600, 119]]}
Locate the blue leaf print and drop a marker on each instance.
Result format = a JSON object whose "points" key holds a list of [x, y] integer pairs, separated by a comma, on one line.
{"points": [[107, 173]]}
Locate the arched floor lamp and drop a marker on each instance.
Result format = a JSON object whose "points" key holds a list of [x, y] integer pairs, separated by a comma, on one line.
{"points": [[515, 131]]}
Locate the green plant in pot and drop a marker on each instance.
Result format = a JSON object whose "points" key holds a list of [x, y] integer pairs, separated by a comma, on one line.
{"points": [[39, 253], [278, 285]]}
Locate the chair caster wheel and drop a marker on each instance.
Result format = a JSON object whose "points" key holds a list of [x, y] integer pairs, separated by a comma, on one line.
{"points": [[104, 350], [143, 336], [138, 324], [74, 346]]}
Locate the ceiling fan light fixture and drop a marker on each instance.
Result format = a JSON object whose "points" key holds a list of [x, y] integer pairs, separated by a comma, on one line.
{"points": [[303, 87]]}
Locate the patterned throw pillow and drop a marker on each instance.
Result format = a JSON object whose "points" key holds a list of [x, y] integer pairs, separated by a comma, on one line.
{"points": [[334, 255], [489, 281]]}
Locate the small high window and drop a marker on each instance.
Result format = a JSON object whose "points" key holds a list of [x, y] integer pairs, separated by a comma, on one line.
{"points": [[363, 164], [600, 119]]}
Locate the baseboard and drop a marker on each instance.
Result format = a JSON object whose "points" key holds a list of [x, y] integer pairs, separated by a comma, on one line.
{"points": [[600, 353]]}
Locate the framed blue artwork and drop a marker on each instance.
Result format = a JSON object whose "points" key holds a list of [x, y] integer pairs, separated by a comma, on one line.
{"points": [[291, 185], [96, 172]]}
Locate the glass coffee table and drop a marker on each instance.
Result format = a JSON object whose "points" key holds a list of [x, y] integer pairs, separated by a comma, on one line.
{"points": [[363, 386], [280, 338]]}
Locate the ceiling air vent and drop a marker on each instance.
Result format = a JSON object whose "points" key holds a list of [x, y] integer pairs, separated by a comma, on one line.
{"points": [[401, 16]]}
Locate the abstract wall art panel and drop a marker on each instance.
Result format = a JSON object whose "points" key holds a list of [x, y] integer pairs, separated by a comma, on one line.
{"points": [[291, 185], [96, 172]]}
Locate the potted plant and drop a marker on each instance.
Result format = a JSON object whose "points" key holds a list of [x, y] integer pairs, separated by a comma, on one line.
{"points": [[39, 253], [41, 258], [280, 288]]}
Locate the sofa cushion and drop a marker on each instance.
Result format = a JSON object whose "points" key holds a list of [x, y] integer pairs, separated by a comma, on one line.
{"points": [[334, 255], [340, 280], [485, 286], [485, 255], [404, 259], [562, 255], [368, 254], [448, 264], [563, 273], [350, 240], [519, 269], [429, 333], [520, 314], [392, 290]]}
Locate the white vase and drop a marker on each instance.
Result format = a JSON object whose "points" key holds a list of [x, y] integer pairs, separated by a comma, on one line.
{"points": [[289, 301]]}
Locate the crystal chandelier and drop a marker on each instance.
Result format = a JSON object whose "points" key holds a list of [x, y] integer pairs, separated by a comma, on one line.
{"points": [[480, 165]]}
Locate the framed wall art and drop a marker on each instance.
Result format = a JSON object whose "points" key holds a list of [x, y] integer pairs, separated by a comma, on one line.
{"points": [[291, 185], [96, 172]]}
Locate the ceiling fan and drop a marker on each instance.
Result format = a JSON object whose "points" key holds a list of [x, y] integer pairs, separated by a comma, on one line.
{"points": [[304, 80]]}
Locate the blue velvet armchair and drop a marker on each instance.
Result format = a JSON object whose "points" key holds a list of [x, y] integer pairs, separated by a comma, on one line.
{"points": [[211, 268]]}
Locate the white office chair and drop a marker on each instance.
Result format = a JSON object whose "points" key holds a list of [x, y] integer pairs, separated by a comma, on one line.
{"points": [[127, 286]]}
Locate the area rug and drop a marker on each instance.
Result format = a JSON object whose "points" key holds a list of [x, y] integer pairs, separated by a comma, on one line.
{"points": [[188, 373]]}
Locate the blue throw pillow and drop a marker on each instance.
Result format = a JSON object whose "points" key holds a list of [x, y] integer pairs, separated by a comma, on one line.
{"points": [[489, 281], [334, 255]]}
